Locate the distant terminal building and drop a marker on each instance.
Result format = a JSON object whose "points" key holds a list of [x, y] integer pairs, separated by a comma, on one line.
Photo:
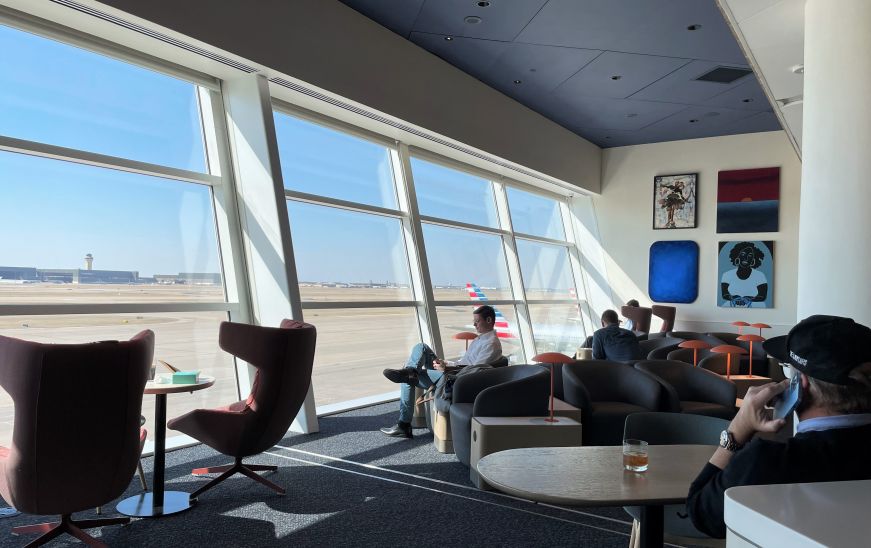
{"points": [[199, 278], [79, 276], [19, 273]]}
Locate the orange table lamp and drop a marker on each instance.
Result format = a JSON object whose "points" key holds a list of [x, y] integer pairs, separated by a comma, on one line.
{"points": [[740, 325], [728, 349], [751, 339], [551, 358], [466, 336], [761, 326], [695, 345]]}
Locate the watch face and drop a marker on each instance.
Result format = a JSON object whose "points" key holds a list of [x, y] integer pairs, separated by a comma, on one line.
{"points": [[724, 438]]}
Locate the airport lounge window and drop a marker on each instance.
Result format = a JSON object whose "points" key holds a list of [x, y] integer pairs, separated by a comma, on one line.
{"points": [[108, 191], [62, 95], [455, 195], [535, 215], [319, 160]]}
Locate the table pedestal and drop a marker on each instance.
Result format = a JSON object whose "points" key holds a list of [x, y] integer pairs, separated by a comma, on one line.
{"points": [[159, 502], [652, 525]]}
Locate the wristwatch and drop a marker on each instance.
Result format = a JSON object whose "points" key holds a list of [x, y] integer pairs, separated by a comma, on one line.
{"points": [[727, 441]]}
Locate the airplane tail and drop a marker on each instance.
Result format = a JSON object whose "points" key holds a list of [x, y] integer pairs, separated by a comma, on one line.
{"points": [[502, 327]]}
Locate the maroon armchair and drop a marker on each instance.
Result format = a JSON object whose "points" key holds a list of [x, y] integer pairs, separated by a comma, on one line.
{"points": [[666, 314], [640, 315], [76, 437], [283, 358]]}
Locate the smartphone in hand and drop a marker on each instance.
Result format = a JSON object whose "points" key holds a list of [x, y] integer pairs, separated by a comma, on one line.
{"points": [[789, 399]]}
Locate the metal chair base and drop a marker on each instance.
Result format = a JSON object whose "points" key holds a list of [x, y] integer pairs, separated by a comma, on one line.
{"points": [[67, 525], [236, 468]]}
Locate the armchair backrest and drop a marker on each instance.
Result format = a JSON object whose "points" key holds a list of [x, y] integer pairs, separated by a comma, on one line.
{"points": [[666, 314], [690, 383], [283, 357], [674, 428], [75, 439], [640, 315], [600, 380], [659, 347]]}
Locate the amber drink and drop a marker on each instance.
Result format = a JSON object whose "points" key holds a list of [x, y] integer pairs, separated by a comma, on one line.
{"points": [[635, 455]]}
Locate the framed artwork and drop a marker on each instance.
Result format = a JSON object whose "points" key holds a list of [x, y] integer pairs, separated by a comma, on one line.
{"points": [[674, 272], [748, 200], [674, 201], [745, 274]]}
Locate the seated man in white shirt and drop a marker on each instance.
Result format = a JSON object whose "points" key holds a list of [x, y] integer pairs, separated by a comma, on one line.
{"points": [[424, 368]]}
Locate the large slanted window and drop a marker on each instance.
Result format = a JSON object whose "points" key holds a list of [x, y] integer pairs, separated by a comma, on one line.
{"points": [[545, 262], [349, 241], [109, 210]]}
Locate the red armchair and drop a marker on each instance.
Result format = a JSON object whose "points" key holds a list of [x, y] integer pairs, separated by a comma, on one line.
{"points": [[283, 358], [75, 441]]}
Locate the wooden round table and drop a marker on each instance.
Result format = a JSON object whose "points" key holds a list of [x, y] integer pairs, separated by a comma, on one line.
{"points": [[594, 476], [159, 502]]}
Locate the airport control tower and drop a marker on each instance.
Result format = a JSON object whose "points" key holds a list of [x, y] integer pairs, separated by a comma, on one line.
{"points": [[89, 262]]}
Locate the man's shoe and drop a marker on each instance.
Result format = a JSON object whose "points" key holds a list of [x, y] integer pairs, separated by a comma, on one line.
{"points": [[399, 430], [406, 375]]}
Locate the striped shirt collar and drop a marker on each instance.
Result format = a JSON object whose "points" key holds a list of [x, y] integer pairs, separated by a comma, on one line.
{"points": [[834, 421]]}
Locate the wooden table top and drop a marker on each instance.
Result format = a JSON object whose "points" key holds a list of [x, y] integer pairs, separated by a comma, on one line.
{"points": [[594, 476], [204, 382]]}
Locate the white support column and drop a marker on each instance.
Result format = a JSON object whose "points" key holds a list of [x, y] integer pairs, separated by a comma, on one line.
{"points": [[834, 265], [263, 212]]}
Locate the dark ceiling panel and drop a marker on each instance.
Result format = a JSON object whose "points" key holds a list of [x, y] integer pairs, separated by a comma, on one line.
{"points": [[468, 54], [681, 85], [599, 112], [539, 68], [501, 20], [637, 26], [747, 96], [396, 15], [618, 75], [563, 53]]}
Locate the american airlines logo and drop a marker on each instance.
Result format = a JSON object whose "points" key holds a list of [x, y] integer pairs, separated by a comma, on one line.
{"points": [[797, 359]]}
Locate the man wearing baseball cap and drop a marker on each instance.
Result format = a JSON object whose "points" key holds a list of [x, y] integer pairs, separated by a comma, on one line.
{"points": [[832, 355]]}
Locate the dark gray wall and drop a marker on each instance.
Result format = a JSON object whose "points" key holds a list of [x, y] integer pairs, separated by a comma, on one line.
{"points": [[329, 45]]}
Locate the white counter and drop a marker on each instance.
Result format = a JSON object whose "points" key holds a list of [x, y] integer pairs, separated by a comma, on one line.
{"points": [[799, 514]]}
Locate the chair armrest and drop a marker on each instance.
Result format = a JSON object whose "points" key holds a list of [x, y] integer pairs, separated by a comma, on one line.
{"points": [[574, 391], [521, 398], [468, 386], [713, 388], [669, 393]]}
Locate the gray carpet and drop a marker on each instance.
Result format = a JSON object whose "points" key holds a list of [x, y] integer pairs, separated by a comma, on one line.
{"points": [[349, 485]]}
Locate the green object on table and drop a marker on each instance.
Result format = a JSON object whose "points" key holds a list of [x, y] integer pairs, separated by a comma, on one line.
{"points": [[185, 377]]}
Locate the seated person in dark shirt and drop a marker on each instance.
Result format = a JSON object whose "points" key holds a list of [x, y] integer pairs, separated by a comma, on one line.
{"points": [[613, 343], [832, 355]]}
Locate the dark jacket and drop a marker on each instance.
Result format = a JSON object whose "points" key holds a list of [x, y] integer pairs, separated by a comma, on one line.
{"points": [[615, 344], [838, 454]]}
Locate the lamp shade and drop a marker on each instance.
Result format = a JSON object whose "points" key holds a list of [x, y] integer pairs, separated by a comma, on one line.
{"points": [[465, 335], [751, 338], [694, 344], [728, 349], [552, 357]]}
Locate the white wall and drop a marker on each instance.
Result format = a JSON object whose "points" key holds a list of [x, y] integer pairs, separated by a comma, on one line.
{"points": [[625, 208]]}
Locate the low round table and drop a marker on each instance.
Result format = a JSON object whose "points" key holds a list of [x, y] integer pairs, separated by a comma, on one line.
{"points": [[158, 502], [594, 476]]}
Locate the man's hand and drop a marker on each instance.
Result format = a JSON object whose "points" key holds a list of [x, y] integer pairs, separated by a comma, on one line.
{"points": [[753, 416], [438, 364]]}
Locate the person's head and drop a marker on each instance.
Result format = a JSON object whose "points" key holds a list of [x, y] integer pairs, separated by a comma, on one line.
{"points": [[609, 317], [632, 302], [747, 255], [833, 356], [484, 318]]}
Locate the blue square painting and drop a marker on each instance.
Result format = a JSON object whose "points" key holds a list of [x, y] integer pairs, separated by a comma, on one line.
{"points": [[674, 272]]}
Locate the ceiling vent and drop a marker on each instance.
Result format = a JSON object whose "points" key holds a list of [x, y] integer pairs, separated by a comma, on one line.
{"points": [[724, 75]]}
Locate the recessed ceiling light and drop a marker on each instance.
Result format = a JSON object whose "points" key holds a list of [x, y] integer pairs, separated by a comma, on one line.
{"points": [[472, 20], [449, 38], [616, 77], [748, 100], [632, 115], [797, 69], [483, 4], [694, 27], [518, 81], [693, 121]]}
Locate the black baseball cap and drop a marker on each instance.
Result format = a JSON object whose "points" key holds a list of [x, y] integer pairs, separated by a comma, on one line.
{"points": [[827, 348]]}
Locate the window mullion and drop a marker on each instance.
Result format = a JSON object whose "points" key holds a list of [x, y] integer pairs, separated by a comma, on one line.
{"points": [[416, 249]]}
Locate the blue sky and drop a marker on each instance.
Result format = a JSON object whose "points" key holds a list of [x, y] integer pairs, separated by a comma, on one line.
{"points": [[58, 211]]}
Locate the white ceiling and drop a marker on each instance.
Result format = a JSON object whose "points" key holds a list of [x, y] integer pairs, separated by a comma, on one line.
{"points": [[771, 32]]}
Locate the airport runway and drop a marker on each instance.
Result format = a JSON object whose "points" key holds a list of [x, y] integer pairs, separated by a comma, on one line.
{"points": [[353, 346]]}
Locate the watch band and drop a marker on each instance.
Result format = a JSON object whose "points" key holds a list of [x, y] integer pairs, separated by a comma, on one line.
{"points": [[727, 442]]}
